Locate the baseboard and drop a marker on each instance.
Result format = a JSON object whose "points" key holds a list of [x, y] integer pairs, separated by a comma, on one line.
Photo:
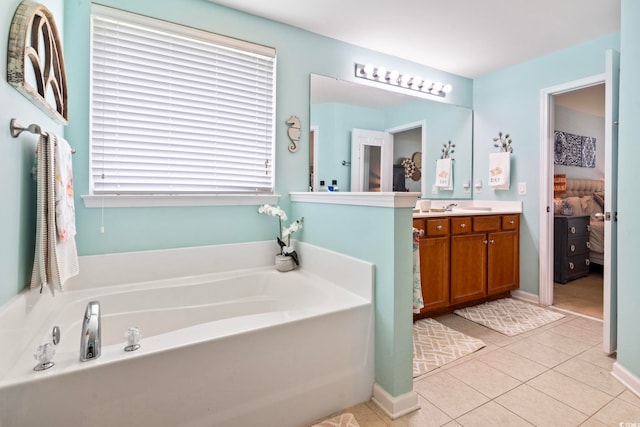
{"points": [[631, 381], [525, 296], [395, 407]]}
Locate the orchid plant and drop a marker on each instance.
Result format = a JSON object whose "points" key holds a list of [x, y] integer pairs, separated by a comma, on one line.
{"points": [[285, 232]]}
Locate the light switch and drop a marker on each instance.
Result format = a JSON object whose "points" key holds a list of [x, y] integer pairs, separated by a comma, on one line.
{"points": [[522, 188]]}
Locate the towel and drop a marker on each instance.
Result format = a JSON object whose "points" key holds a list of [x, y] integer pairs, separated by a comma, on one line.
{"points": [[499, 170], [444, 174], [418, 302], [56, 255]]}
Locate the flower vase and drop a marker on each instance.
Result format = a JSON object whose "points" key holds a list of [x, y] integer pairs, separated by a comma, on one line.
{"points": [[284, 263]]}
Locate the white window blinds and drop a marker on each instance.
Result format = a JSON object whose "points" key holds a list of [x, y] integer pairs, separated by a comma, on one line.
{"points": [[177, 110]]}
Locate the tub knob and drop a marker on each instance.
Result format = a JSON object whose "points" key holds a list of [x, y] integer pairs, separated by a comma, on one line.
{"points": [[44, 354], [132, 336]]}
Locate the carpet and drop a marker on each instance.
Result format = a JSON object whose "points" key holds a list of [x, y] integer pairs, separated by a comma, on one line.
{"points": [[508, 316], [343, 420], [435, 344]]}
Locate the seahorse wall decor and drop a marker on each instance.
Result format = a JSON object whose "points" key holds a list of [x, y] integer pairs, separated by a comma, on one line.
{"points": [[294, 133]]}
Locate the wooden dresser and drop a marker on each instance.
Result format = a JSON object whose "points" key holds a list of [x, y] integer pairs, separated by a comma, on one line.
{"points": [[570, 248]]}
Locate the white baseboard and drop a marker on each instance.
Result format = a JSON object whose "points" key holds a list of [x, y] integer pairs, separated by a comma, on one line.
{"points": [[525, 296], [395, 407], [627, 378]]}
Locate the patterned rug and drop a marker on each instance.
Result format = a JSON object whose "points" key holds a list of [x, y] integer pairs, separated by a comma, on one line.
{"points": [[509, 316], [435, 344], [343, 420]]}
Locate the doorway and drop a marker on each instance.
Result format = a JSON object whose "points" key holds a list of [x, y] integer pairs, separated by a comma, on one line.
{"points": [[579, 127], [547, 220]]}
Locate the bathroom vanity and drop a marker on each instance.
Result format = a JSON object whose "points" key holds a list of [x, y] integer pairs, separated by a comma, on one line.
{"points": [[467, 256]]}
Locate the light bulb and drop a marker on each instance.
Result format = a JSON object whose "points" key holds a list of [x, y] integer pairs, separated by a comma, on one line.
{"points": [[393, 77], [447, 88], [368, 70]]}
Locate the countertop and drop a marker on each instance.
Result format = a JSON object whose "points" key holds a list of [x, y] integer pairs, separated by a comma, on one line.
{"points": [[471, 207]]}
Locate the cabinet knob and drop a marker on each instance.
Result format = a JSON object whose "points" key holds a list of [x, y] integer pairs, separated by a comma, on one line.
{"points": [[588, 227], [512, 222], [589, 245], [571, 266], [463, 225], [492, 241], [438, 227], [572, 248], [485, 241], [587, 261], [572, 230]]}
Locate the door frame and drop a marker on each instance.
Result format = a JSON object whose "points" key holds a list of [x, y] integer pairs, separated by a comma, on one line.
{"points": [[422, 124], [545, 285]]}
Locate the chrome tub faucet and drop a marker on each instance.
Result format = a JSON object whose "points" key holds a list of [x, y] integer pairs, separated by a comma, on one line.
{"points": [[90, 338]]}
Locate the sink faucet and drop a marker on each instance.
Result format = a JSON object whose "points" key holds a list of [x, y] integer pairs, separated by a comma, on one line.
{"points": [[450, 206], [90, 338]]}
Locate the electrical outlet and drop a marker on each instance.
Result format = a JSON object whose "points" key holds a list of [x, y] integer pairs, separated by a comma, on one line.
{"points": [[522, 188], [434, 189]]}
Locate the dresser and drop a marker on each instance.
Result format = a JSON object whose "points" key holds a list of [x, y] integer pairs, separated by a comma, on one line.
{"points": [[571, 248]]}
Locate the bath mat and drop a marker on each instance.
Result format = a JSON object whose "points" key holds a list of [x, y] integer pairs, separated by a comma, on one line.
{"points": [[435, 344], [508, 316], [343, 420]]}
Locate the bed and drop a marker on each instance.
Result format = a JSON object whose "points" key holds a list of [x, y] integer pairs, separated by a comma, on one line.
{"points": [[586, 197]]}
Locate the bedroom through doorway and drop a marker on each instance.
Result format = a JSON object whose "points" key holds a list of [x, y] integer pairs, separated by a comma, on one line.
{"points": [[578, 192]]}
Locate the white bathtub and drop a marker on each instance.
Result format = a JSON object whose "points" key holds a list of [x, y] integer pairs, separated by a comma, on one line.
{"points": [[250, 347]]}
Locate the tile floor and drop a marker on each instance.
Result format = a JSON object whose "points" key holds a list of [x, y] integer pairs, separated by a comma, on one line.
{"points": [[555, 375]]}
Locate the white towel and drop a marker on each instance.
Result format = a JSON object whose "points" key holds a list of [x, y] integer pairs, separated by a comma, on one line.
{"points": [[56, 257], [500, 170], [444, 174]]}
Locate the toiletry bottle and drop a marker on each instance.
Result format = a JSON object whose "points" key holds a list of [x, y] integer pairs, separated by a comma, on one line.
{"points": [[322, 186], [334, 186]]}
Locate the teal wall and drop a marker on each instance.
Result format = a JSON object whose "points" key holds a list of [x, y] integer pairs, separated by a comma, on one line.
{"points": [[509, 101], [380, 236], [17, 215], [628, 201]]}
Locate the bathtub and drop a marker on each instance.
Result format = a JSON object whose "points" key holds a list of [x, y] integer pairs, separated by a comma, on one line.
{"points": [[245, 347]]}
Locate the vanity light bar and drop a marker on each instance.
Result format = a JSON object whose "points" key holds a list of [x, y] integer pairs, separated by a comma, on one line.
{"points": [[382, 75]]}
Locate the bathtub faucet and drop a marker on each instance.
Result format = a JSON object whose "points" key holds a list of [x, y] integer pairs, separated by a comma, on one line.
{"points": [[90, 338]]}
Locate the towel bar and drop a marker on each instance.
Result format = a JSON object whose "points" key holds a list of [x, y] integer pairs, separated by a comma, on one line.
{"points": [[16, 129]]}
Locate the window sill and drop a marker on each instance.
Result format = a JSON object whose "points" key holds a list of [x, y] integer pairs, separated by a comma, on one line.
{"points": [[164, 200]]}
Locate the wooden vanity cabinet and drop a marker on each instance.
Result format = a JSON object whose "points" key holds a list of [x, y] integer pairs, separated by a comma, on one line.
{"points": [[434, 262], [477, 258]]}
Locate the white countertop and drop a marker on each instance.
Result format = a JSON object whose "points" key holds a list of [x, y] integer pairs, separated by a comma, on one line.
{"points": [[471, 207]]}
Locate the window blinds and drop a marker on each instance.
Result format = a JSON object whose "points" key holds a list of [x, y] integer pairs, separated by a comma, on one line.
{"points": [[175, 113]]}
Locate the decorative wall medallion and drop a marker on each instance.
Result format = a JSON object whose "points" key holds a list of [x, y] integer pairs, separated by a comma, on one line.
{"points": [[294, 133], [35, 50]]}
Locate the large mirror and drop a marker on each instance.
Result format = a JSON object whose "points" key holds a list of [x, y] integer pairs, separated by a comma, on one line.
{"points": [[371, 139]]}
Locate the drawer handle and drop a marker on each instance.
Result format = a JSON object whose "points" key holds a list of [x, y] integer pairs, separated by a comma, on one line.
{"points": [[463, 225], [512, 222], [438, 227], [589, 245], [587, 261], [572, 248], [588, 227], [573, 230], [571, 266]]}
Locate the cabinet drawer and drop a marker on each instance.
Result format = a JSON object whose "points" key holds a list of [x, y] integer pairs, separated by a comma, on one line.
{"points": [[437, 227], [577, 226], [460, 225], [577, 265], [510, 222], [419, 224], [486, 223], [577, 245]]}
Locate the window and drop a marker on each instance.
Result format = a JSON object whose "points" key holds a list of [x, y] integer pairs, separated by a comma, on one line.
{"points": [[178, 111]]}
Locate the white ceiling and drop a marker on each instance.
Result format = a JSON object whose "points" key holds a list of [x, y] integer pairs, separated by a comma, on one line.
{"points": [[470, 38]]}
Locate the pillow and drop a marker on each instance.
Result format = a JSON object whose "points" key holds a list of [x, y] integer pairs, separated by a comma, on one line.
{"points": [[576, 205], [590, 206], [598, 196]]}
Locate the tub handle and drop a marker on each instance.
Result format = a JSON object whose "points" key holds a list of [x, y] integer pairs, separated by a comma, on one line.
{"points": [[132, 336]]}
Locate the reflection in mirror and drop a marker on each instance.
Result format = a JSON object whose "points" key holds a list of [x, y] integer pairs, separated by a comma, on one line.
{"points": [[352, 121]]}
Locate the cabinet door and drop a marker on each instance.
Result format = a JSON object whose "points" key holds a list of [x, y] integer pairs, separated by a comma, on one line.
{"points": [[434, 272], [503, 262], [468, 267]]}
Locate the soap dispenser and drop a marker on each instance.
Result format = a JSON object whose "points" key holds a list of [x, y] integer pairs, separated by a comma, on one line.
{"points": [[334, 186]]}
